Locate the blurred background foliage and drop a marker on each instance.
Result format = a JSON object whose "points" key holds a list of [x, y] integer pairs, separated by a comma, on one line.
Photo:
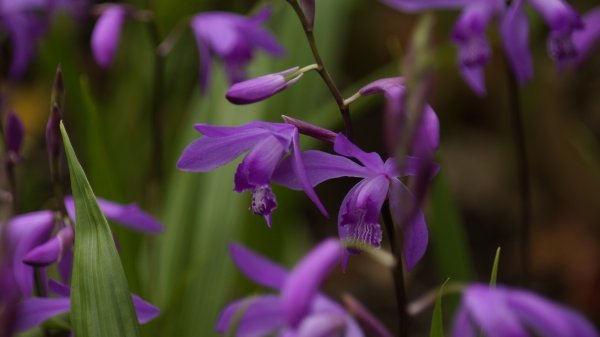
{"points": [[473, 202]]}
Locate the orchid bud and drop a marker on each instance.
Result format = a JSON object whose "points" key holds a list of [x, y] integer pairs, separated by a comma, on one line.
{"points": [[106, 34], [15, 133], [311, 130], [308, 7], [263, 87], [53, 137], [58, 89]]}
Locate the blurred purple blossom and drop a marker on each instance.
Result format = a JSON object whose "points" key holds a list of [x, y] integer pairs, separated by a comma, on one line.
{"points": [[35, 311], [107, 33], [267, 144], [15, 135], [584, 40], [30, 242], [358, 218], [505, 312], [263, 87], [300, 310], [470, 33], [233, 38]]}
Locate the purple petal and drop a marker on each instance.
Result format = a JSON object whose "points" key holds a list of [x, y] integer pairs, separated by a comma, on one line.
{"points": [[224, 131], [205, 67], [515, 37], [35, 311], [301, 174], [65, 266], [547, 318], [346, 148], [475, 78], [261, 316], [427, 135], [383, 86], [304, 281], [261, 88], [24, 233], [308, 7], [320, 166], [420, 5], [322, 325], [107, 33], [257, 268], [145, 311], [59, 288], [489, 308], [558, 14], [217, 30], [258, 166], [584, 40], [415, 233], [18, 27], [15, 133], [208, 153], [265, 40], [128, 215], [51, 251], [462, 326]]}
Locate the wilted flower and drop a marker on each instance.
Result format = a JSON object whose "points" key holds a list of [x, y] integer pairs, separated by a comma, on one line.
{"points": [[299, 310], [263, 87], [267, 144], [505, 312], [233, 38], [35, 311], [107, 33], [358, 218]]}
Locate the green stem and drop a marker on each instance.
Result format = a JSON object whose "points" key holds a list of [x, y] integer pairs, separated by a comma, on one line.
{"points": [[322, 70]]}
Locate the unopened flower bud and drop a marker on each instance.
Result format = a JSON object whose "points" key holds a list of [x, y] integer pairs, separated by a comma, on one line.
{"points": [[311, 130], [15, 133], [263, 87]]}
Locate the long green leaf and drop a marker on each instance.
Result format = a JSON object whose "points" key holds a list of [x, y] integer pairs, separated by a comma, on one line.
{"points": [[437, 320], [494, 275], [100, 300]]}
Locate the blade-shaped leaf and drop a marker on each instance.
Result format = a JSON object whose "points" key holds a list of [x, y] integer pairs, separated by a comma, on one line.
{"points": [[100, 299], [437, 320], [494, 275]]}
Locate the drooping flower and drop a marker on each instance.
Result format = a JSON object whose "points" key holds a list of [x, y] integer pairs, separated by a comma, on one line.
{"points": [[31, 244], [506, 312], [107, 33], [469, 33], [358, 218], [299, 310], [263, 87], [35, 311], [267, 144], [233, 38]]}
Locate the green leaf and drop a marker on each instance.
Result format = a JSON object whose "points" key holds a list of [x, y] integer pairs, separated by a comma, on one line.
{"points": [[437, 320], [100, 299], [494, 275]]}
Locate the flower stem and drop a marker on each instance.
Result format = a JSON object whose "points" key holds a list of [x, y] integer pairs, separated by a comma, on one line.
{"points": [[397, 271], [322, 70], [516, 116]]}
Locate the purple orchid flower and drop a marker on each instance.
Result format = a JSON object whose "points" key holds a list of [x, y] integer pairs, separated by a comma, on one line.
{"points": [[107, 33], [470, 33], [267, 144], [505, 312], [299, 311], [584, 40], [35, 311], [29, 238], [358, 218], [263, 87], [233, 38]]}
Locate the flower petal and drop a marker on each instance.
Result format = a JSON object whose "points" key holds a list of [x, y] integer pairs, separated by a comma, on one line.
{"points": [[320, 166], [52, 250], [474, 77], [25, 232], [257, 268], [346, 148], [35, 311], [383, 86], [489, 308], [462, 326], [107, 33], [18, 27], [308, 7], [261, 88], [208, 153], [322, 325], [415, 234], [300, 173], [261, 316], [303, 282], [128, 215], [145, 311], [420, 5], [584, 40], [259, 164], [515, 37]]}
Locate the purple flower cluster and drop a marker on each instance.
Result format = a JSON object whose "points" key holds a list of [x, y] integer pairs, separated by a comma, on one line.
{"points": [[569, 39]]}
